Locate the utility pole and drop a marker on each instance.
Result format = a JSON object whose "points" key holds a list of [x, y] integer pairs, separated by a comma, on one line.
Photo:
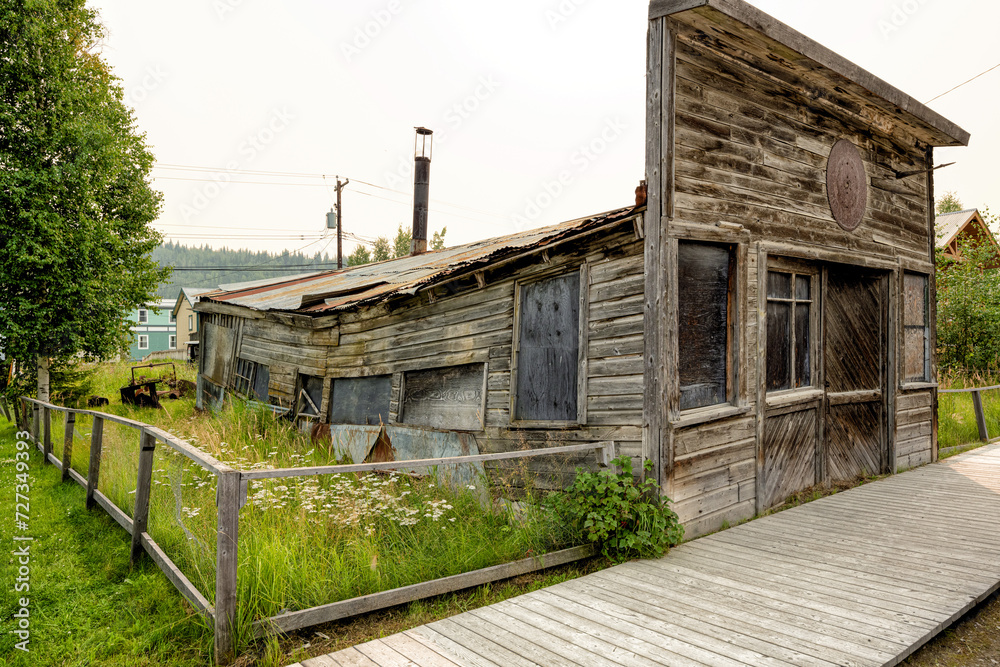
{"points": [[340, 224]]}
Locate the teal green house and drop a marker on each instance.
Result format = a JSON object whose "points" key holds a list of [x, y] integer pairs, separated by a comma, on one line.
{"points": [[154, 329]]}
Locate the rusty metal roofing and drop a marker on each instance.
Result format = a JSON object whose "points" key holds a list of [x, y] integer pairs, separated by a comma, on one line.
{"points": [[327, 292]]}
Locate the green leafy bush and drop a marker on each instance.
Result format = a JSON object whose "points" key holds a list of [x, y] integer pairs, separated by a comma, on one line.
{"points": [[625, 518]]}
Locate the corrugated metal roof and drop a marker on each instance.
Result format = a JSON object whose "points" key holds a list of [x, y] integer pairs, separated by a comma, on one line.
{"points": [[330, 291], [948, 225]]}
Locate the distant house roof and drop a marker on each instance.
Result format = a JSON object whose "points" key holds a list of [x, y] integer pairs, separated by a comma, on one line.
{"points": [[192, 295], [950, 228], [330, 291]]}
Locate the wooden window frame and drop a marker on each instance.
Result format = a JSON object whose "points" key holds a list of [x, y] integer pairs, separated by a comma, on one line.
{"points": [[241, 376], [298, 399], [400, 415], [582, 379], [797, 268], [735, 394], [926, 381]]}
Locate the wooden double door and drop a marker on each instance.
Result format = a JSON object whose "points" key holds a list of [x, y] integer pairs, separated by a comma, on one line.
{"points": [[828, 423]]}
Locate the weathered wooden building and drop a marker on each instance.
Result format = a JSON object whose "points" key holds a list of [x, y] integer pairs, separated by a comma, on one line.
{"points": [[763, 324]]}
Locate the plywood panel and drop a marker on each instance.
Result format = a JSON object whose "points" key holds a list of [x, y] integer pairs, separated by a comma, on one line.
{"points": [[445, 398]]}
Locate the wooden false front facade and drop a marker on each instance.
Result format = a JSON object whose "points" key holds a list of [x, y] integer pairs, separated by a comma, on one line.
{"points": [[763, 145], [764, 324]]}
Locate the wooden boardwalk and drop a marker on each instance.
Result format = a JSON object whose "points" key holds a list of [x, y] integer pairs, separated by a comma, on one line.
{"points": [[863, 577]]}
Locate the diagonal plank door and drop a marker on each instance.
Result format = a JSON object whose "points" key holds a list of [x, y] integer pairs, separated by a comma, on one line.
{"points": [[855, 355]]}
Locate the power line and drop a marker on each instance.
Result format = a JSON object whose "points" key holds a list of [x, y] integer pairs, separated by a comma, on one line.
{"points": [[292, 174], [962, 84]]}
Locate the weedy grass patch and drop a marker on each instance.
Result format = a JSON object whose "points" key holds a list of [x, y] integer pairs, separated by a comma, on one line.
{"points": [[956, 412], [304, 541]]}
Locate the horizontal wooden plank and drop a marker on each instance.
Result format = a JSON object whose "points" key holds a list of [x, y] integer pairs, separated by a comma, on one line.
{"points": [[337, 610], [279, 473], [176, 577]]}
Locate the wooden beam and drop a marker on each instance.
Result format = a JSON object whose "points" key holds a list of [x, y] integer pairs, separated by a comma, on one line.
{"points": [[67, 457], [94, 469], [361, 605], [227, 551], [654, 397], [418, 463], [144, 485], [176, 577], [47, 438]]}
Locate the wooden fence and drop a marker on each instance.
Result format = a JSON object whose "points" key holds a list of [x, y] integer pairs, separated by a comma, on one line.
{"points": [[231, 495], [977, 403]]}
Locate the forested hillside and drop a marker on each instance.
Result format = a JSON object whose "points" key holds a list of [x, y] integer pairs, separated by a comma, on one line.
{"points": [[206, 267]]}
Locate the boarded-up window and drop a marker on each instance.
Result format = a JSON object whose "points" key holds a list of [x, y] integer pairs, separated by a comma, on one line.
{"points": [[217, 343], [705, 297], [361, 400], [251, 379], [789, 308], [916, 320], [450, 399], [310, 396], [548, 347]]}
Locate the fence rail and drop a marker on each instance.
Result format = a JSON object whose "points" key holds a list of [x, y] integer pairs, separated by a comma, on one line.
{"points": [[977, 404], [231, 495]]}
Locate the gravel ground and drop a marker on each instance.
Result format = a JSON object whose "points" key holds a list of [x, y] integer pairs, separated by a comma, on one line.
{"points": [[974, 641]]}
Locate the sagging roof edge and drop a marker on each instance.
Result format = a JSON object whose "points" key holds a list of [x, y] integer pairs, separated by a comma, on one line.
{"points": [[464, 269], [773, 28]]}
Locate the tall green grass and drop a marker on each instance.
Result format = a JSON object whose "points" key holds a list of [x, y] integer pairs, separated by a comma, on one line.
{"points": [[303, 541], [956, 413]]}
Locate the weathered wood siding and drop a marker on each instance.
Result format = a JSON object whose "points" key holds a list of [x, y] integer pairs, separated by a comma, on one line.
{"points": [[468, 324], [740, 141], [914, 428], [753, 150]]}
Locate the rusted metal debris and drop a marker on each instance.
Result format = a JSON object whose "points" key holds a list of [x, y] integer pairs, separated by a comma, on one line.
{"points": [[142, 391]]}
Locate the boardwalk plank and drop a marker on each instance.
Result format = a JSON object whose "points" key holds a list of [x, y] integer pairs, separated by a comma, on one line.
{"points": [[770, 615], [889, 630], [699, 626], [669, 637], [872, 585], [860, 578], [801, 577], [418, 652], [462, 651]]}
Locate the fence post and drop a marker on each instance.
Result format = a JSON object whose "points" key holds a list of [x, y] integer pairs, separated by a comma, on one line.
{"points": [[47, 427], [67, 458], [977, 402], [94, 469], [6, 410], [36, 424], [144, 482], [227, 548]]}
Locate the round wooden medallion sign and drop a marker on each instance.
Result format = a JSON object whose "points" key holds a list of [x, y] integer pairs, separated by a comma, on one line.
{"points": [[847, 185]]}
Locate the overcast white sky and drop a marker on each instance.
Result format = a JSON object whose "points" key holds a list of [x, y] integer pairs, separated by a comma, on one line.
{"points": [[517, 92]]}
